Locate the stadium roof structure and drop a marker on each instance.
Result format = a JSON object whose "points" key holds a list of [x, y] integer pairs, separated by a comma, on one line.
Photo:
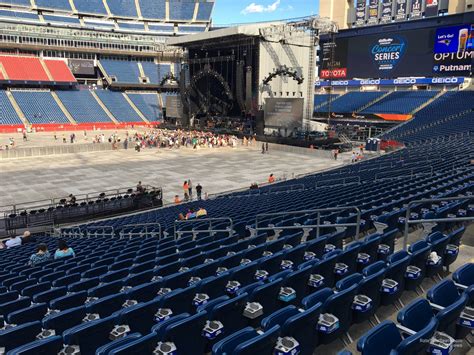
{"points": [[251, 30]]}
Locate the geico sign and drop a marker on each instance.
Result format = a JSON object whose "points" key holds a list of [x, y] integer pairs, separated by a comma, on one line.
{"points": [[340, 82], [370, 82], [445, 80], [404, 81]]}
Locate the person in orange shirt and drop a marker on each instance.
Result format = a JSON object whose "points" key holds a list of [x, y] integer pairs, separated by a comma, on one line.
{"points": [[271, 179], [186, 190], [176, 199]]}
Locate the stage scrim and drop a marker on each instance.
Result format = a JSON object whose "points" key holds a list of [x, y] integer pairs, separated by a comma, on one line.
{"points": [[284, 112]]}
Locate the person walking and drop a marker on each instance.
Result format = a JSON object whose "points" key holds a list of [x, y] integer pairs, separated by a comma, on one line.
{"points": [[263, 148], [198, 191], [190, 189]]}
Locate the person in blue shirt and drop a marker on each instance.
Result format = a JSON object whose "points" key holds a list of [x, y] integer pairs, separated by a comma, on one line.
{"points": [[42, 255], [63, 250]]}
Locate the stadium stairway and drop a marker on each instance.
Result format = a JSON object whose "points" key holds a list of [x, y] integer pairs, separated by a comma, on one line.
{"points": [[17, 108], [429, 102], [102, 105], [63, 108], [374, 101], [130, 102]]}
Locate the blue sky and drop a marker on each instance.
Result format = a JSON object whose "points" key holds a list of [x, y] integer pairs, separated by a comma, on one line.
{"points": [[240, 11]]}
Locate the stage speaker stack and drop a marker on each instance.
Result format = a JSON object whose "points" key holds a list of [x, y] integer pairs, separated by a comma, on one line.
{"points": [[248, 88], [260, 123]]}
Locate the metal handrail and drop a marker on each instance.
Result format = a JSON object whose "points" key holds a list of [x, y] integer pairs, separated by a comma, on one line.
{"points": [[318, 225], [287, 188], [409, 221], [112, 230], [344, 181], [146, 225], [210, 220], [410, 171]]}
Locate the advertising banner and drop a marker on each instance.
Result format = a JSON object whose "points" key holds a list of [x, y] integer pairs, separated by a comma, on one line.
{"points": [[373, 18], [453, 50], [416, 8], [283, 112], [81, 66], [386, 15], [401, 10], [431, 9], [393, 82], [360, 12]]}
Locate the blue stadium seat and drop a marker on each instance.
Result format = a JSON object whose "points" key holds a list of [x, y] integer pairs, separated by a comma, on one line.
{"points": [[61, 321], [12, 338], [117, 343], [50, 345], [449, 302], [385, 339], [90, 335]]}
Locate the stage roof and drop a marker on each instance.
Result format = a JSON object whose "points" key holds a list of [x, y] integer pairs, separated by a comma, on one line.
{"points": [[252, 30]]}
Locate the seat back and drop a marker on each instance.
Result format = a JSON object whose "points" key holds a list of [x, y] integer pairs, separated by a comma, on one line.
{"points": [[189, 328], [143, 345], [28, 314], [416, 315], [339, 304], [50, 345], [261, 344], [464, 275], [179, 301], [117, 343], [267, 296], [61, 321], [279, 317], [444, 293], [69, 301], [140, 317], [419, 342], [230, 313], [14, 337], [90, 335], [230, 342], [303, 328], [381, 339]]}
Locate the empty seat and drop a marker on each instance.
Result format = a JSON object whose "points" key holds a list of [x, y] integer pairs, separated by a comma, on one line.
{"points": [[50, 345], [61, 321], [69, 301], [385, 339], [28, 314], [11, 338], [90, 335], [117, 343]]}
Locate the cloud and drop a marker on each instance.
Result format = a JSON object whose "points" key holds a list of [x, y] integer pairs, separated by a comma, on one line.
{"points": [[254, 8]]}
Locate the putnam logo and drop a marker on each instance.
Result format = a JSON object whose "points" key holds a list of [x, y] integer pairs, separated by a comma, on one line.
{"points": [[387, 52]]}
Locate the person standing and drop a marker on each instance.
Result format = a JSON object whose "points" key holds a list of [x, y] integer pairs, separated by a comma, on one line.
{"points": [[266, 147], [198, 191], [263, 148], [190, 189], [186, 190]]}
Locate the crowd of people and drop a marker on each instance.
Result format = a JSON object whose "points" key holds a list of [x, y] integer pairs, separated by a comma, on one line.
{"points": [[42, 253], [163, 138]]}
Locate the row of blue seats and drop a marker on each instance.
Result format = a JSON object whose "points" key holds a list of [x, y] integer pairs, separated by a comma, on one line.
{"points": [[434, 323], [245, 274], [229, 313]]}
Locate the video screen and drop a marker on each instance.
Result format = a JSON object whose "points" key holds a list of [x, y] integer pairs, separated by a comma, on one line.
{"points": [[454, 39]]}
